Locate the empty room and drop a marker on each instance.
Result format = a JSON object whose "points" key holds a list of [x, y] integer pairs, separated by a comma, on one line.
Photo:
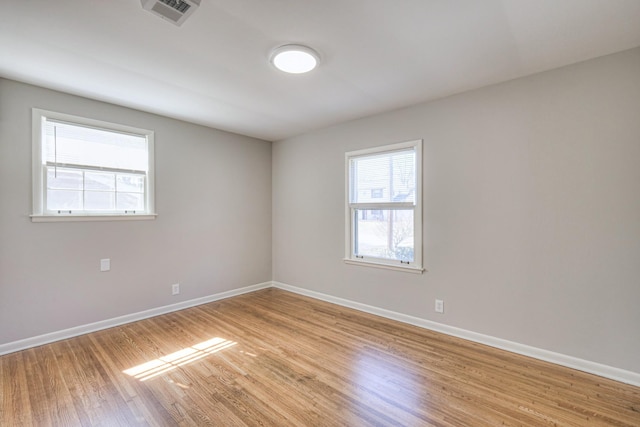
{"points": [[320, 213]]}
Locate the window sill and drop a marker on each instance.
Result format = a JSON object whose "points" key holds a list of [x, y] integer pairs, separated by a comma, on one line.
{"points": [[71, 218], [406, 269]]}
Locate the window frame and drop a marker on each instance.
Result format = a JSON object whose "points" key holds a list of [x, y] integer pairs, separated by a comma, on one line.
{"points": [[39, 190], [416, 207]]}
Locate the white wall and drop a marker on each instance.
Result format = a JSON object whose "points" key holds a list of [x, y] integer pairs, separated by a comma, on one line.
{"points": [[532, 211], [213, 232]]}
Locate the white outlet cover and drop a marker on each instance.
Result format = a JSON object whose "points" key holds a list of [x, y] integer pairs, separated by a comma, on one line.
{"points": [[105, 264], [439, 306], [175, 289]]}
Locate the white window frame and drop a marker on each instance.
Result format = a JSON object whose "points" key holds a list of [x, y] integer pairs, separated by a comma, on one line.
{"points": [[351, 208], [40, 214]]}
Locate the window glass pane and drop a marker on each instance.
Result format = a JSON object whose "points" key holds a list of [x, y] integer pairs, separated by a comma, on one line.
{"points": [[130, 201], [130, 183], [99, 200], [104, 181], [385, 177], [384, 233], [64, 200], [64, 179]]}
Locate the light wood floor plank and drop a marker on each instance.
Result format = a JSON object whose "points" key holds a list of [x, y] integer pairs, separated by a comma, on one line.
{"points": [[273, 358]]}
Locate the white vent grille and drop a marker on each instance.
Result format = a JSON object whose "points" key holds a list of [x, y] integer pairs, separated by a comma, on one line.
{"points": [[179, 5], [175, 11]]}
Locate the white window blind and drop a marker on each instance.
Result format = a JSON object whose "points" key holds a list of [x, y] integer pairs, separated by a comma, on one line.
{"points": [[71, 144], [392, 172]]}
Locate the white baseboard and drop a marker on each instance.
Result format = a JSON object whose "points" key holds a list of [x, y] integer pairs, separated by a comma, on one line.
{"points": [[116, 321], [599, 369]]}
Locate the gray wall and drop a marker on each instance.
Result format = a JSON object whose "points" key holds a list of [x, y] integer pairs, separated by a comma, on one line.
{"points": [[532, 215], [531, 211], [213, 232]]}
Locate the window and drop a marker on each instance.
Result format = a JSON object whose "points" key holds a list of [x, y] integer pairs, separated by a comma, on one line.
{"points": [[384, 206], [376, 193], [85, 169]]}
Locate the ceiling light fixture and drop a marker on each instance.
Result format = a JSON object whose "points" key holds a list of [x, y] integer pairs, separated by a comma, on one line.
{"points": [[295, 59]]}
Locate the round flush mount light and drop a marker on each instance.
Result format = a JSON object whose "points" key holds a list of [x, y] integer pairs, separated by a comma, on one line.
{"points": [[294, 59]]}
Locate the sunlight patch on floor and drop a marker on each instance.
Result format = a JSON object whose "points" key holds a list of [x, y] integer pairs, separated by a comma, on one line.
{"points": [[161, 365]]}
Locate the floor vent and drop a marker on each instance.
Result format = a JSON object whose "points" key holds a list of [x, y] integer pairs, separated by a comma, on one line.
{"points": [[174, 11]]}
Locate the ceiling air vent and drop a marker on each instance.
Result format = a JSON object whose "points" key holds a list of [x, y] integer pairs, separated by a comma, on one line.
{"points": [[175, 11]]}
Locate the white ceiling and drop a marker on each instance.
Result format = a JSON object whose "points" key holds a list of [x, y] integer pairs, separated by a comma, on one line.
{"points": [[377, 55]]}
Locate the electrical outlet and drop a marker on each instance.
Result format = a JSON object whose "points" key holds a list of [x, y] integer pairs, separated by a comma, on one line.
{"points": [[439, 306], [175, 289], [105, 264]]}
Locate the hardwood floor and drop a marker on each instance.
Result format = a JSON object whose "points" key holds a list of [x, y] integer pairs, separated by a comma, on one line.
{"points": [[272, 358]]}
